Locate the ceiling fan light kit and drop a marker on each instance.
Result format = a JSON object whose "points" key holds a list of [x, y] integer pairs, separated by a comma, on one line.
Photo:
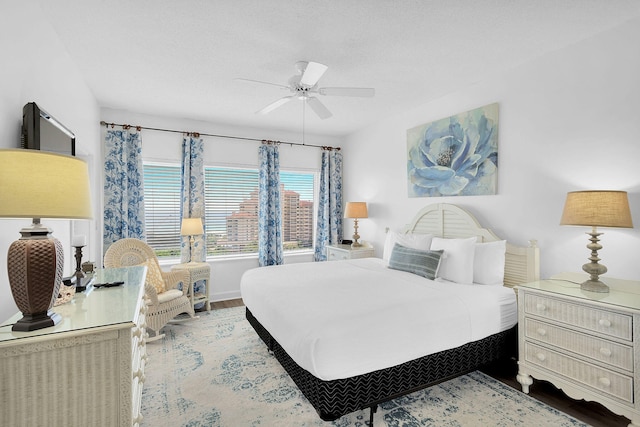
{"points": [[305, 83]]}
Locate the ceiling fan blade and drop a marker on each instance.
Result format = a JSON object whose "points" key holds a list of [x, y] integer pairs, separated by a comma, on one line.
{"points": [[364, 92], [261, 82], [319, 108], [280, 102], [312, 73]]}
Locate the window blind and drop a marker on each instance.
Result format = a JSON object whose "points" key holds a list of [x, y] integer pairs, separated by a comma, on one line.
{"points": [[231, 209]]}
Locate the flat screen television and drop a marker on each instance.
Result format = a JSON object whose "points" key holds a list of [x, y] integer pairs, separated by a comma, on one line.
{"points": [[41, 131]]}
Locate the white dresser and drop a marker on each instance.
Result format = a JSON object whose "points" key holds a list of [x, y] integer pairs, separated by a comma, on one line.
{"points": [[86, 371], [587, 344], [339, 252]]}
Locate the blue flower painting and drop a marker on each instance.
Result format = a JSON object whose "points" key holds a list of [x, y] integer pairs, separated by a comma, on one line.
{"points": [[456, 156]]}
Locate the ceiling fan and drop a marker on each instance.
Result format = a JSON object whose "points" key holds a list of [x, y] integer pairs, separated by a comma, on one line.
{"points": [[304, 84]]}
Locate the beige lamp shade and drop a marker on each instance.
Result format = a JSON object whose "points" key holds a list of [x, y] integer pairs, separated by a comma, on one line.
{"points": [[39, 184], [356, 210], [191, 227], [597, 208]]}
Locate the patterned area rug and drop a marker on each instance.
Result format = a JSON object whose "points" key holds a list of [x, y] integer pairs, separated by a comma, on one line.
{"points": [[215, 371]]}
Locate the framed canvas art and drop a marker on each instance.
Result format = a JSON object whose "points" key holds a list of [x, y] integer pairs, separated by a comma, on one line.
{"points": [[455, 156]]}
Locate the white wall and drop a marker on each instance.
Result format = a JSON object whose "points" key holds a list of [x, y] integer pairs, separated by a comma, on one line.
{"points": [[568, 121], [166, 147], [36, 68]]}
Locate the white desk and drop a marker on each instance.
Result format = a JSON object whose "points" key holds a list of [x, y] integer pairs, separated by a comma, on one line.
{"points": [[88, 370]]}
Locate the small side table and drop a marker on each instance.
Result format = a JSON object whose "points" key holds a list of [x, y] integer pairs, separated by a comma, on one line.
{"points": [[340, 252], [197, 271]]}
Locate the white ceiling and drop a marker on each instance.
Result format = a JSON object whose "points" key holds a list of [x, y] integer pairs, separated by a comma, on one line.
{"points": [[179, 58]]}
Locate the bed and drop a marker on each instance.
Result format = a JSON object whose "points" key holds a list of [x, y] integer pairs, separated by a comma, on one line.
{"points": [[353, 333]]}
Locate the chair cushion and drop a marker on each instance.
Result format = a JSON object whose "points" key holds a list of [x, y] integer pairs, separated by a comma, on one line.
{"points": [[169, 295], [154, 275]]}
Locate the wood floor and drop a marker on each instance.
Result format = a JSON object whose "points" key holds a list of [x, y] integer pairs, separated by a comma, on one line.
{"points": [[591, 413]]}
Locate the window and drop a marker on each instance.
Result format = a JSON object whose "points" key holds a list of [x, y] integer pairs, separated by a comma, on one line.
{"points": [[231, 209], [162, 187]]}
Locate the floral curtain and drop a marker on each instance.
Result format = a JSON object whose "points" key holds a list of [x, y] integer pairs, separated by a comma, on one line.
{"points": [[193, 204], [123, 186], [193, 196], [270, 250], [329, 227]]}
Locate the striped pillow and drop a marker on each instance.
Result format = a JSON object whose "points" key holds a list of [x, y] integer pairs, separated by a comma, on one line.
{"points": [[422, 263]]}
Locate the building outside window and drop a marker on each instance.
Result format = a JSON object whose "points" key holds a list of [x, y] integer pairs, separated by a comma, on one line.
{"points": [[231, 209]]}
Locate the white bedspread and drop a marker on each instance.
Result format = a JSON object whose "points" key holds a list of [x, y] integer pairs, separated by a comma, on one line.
{"points": [[344, 318]]}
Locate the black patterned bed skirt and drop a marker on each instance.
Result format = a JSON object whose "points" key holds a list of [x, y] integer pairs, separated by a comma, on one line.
{"points": [[333, 399]]}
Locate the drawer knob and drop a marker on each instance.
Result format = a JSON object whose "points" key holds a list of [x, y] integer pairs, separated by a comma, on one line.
{"points": [[140, 375], [542, 331], [605, 351], [541, 357], [541, 307], [605, 381], [604, 322]]}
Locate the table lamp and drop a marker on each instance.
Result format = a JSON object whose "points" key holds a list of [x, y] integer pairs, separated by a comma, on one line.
{"points": [[191, 227], [37, 184], [596, 209], [356, 210]]}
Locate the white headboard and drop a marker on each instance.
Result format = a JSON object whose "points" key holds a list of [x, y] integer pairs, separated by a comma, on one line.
{"points": [[522, 264]]}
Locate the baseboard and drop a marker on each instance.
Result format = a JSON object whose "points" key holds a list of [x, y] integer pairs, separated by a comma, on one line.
{"points": [[224, 296]]}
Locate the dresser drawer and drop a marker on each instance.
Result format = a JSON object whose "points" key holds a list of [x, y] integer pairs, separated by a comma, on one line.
{"points": [[335, 255], [592, 319], [599, 349], [605, 381]]}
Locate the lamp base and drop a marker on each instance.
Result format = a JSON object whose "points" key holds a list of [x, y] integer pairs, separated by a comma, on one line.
{"points": [[34, 265], [594, 286], [356, 236], [592, 268], [33, 322]]}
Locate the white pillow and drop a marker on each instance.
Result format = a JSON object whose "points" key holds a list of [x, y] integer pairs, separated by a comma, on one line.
{"points": [[488, 263], [457, 264], [413, 241]]}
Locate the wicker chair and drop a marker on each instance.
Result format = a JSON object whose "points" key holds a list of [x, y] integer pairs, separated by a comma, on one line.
{"points": [[163, 297]]}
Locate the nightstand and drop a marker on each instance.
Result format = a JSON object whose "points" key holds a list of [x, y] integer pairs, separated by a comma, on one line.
{"points": [[197, 271], [339, 252], [586, 343]]}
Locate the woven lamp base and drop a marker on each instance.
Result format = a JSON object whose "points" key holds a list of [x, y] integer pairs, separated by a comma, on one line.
{"points": [[35, 269]]}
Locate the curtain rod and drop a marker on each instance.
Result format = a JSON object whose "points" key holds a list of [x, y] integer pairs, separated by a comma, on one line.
{"points": [[198, 134]]}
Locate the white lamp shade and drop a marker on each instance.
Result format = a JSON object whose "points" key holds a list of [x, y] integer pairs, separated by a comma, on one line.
{"points": [[39, 184], [356, 210], [191, 227]]}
